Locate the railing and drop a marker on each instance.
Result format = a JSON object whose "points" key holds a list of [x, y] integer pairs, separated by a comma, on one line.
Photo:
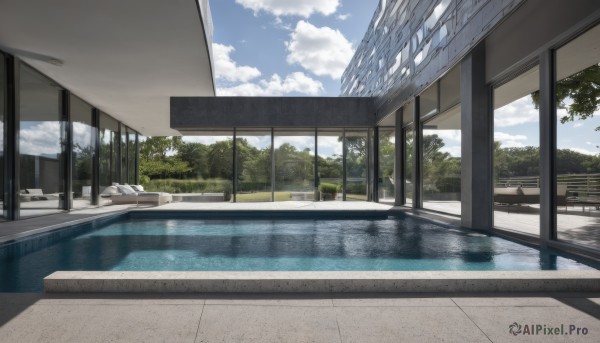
{"points": [[578, 185]]}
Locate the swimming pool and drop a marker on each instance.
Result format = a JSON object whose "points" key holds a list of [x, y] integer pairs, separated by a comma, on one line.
{"points": [[165, 243]]}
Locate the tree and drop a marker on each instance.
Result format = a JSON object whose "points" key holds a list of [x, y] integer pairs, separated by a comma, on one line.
{"points": [[583, 88]]}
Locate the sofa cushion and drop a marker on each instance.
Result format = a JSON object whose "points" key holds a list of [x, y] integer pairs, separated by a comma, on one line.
{"points": [[508, 191], [111, 190], [530, 191], [126, 189]]}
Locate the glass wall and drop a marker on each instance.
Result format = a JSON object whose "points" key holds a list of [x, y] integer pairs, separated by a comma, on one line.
{"points": [[131, 149], [357, 165], [387, 157], [253, 160], [2, 120], [210, 167], [109, 148], [409, 141], [124, 160], [294, 165], [578, 140], [441, 153], [41, 142], [517, 154], [330, 166], [83, 152]]}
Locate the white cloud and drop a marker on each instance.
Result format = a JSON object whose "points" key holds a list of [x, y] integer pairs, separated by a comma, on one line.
{"points": [[518, 112], [330, 145], [578, 124], [40, 138], [448, 135], [296, 82], [303, 8], [509, 141], [344, 16], [454, 150], [227, 69], [584, 151], [321, 50]]}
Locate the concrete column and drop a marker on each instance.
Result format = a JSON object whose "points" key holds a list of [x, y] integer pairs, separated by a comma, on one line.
{"points": [[477, 142], [399, 159], [547, 149], [374, 165], [417, 158]]}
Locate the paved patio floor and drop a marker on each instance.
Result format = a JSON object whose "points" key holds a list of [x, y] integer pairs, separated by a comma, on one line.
{"points": [[294, 318]]}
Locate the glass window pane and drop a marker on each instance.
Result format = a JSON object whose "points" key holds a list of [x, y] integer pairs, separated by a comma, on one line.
{"points": [[253, 165], [578, 140], [109, 143], [83, 152], [131, 147], [441, 162], [357, 165], [294, 165], [330, 168], [517, 155], [42, 132], [204, 168], [123, 154], [387, 157], [408, 165]]}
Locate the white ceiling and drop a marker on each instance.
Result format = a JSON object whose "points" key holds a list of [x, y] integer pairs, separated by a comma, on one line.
{"points": [[125, 57]]}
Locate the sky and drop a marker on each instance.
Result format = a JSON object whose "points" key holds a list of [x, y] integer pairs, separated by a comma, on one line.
{"points": [[285, 47]]}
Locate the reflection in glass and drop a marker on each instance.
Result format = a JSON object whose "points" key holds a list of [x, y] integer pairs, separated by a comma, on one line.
{"points": [[578, 140], [253, 158], [387, 153], [131, 147], [41, 137], [294, 165], [83, 152], [124, 150], [441, 152], [109, 147], [330, 167], [209, 164], [357, 165], [517, 155], [408, 165]]}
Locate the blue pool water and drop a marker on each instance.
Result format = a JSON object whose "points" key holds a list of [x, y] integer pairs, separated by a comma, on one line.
{"points": [[267, 245]]}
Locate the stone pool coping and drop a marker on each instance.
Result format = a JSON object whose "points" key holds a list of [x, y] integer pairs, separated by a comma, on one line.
{"points": [[323, 282]]}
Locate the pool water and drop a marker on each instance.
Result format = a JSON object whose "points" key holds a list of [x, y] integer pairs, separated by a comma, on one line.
{"points": [[272, 245]]}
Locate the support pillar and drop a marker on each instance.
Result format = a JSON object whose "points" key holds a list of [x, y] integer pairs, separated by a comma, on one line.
{"points": [[547, 148], [477, 143], [399, 159]]}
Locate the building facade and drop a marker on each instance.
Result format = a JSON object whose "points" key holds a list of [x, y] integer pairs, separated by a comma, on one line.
{"points": [[494, 105]]}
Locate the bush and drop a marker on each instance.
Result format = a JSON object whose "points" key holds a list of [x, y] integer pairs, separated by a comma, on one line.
{"points": [[329, 188], [188, 186]]}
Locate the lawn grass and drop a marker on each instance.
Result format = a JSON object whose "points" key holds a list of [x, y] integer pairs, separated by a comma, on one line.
{"points": [[263, 196]]}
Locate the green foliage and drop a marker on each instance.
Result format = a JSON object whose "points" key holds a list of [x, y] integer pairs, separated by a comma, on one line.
{"points": [[188, 186], [329, 188], [583, 88]]}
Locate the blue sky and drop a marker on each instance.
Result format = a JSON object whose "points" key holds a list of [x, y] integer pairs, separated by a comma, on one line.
{"points": [[285, 47]]}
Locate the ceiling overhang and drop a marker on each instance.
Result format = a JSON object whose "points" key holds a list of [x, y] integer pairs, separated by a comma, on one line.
{"points": [[126, 58]]}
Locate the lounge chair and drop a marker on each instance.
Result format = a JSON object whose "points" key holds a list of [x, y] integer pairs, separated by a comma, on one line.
{"points": [[123, 194]]}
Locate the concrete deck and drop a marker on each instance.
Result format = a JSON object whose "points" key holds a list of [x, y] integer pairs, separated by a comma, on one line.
{"points": [[294, 318]]}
